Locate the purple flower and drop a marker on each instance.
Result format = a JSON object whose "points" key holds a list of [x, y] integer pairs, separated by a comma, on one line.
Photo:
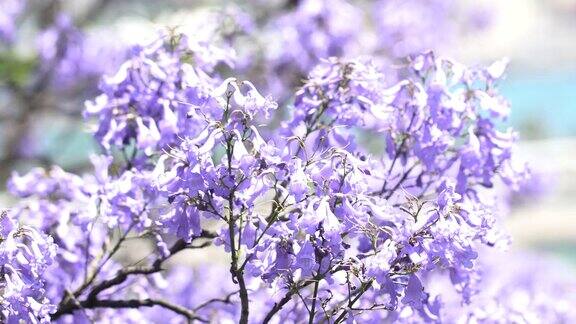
{"points": [[25, 255]]}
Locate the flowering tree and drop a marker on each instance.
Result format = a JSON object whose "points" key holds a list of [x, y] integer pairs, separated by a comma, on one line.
{"points": [[346, 205]]}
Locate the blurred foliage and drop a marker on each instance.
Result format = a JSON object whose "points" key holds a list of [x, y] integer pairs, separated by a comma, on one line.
{"points": [[15, 68]]}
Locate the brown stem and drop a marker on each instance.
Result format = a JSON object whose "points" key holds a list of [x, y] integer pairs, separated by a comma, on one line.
{"points": [[130, 303], [363, 288], [237, 273], [280, 304], [68, 305]]}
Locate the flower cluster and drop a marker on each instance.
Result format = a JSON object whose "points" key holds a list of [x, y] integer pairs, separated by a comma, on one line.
{"points": [[157, 95], [310, 208], [25, 255], [347, 205]]}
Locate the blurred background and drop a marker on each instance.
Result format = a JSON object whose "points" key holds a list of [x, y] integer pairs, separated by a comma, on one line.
{"points": [[539, 38], [52, 54]]}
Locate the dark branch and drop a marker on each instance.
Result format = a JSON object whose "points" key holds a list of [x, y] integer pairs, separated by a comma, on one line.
{"points": [[280, 304], [123, 274], [225, 300], [130, 303], [67, 306]]}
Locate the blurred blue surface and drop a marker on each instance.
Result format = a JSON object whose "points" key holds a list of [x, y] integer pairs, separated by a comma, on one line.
{"points": [[543, 104]]}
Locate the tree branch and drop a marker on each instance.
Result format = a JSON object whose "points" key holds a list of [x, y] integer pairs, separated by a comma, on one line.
{"points": [[280, 304], [130, 303], [123, 274], [225, 300], [67, 305], [363, 288]]}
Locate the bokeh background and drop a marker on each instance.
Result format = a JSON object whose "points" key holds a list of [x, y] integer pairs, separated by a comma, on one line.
{"points": [[538, 36]]}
